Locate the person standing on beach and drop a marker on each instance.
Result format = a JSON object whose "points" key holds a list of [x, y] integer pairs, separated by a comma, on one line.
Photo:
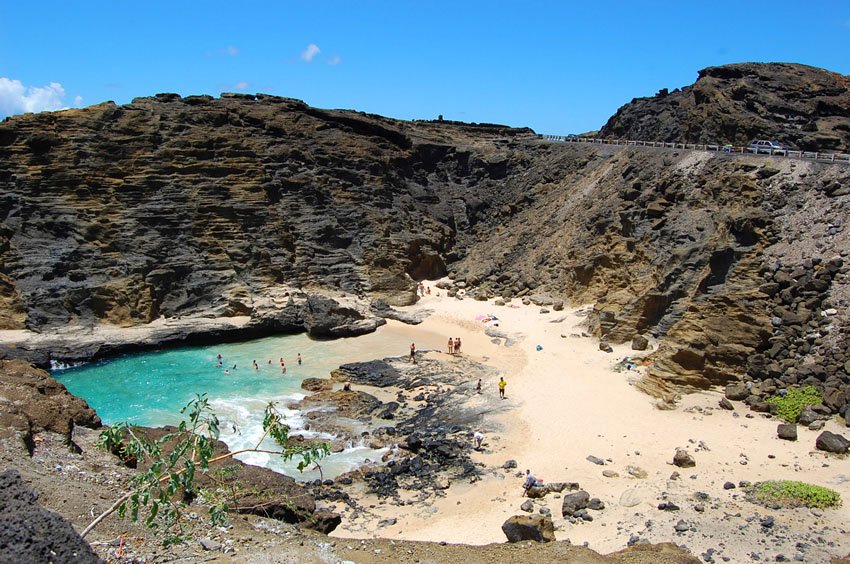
{"points": [[451, 346], [457, 345], [478, 386], [502, 385], [413, 353]]}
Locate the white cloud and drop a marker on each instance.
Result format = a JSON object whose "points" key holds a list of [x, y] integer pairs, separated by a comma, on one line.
{"points": [[78, 101], [15, 98], [231, 50], [335, 60], [242, 85], [310, 52]]}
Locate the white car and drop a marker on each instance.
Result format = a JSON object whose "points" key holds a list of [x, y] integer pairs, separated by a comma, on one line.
{"points": [[769, 147]]}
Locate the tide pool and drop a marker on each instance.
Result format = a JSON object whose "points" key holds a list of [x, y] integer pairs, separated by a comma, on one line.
{"points": [[150, 388]]}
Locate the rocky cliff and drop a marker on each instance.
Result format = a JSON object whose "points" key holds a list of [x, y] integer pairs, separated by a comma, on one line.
{"points": [[195, 206], [173, 206], [803, 107]]}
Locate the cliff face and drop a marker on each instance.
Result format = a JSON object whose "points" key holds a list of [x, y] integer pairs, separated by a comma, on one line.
{"points": [[801, 106], [169, 206], [200, 206]]}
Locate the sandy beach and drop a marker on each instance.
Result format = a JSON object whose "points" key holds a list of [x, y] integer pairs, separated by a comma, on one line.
{"points": [[567, 402]]}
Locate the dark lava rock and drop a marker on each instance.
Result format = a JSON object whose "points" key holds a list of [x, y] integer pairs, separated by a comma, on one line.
{"points": [[767, 522], [639, 343], [574, 502], [726, 404], [832, 442], [527, 506], [30, 533], [377, 373], [787, 432], [595, 460], [728, 486], [529, 527], [807, 416], [737, 391], [681, 526], [605, 347], [683, 459], [596, 504], [509, 464]]}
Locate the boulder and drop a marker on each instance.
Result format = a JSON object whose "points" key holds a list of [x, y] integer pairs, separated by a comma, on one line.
{"points": [[529, 527], [832, 442], [30, 533], [574, 502], [605, 347], [683, 459], [736, 391], [807, 416], [787, 432], [639, 343], [726, 404], [527, 506]]}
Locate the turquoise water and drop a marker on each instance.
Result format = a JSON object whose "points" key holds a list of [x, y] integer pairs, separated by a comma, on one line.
{"points": [[150, 388]]}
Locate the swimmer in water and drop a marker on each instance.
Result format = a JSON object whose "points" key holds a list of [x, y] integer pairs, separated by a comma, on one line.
{"points": [[299, 359]]}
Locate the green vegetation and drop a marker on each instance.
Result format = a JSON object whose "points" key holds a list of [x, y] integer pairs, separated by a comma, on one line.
{"points": [[163, 489], [791, 493], [789, 406]]}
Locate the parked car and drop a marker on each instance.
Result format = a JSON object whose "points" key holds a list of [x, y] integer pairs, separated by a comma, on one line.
{"points": [[767, 146]]}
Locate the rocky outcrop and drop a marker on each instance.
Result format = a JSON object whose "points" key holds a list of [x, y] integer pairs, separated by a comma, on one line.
{"points": [[801, 106], [173, 206], [31, 401], [30, 533]]}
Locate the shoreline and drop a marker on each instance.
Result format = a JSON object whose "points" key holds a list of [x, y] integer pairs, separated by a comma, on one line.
{"points": [[566, 403]]}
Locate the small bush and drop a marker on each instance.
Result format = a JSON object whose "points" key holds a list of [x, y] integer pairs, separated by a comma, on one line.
{"points": [[789, 406], [791, 493]]}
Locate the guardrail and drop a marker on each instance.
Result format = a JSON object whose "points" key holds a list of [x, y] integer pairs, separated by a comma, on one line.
{"points": [[805, 155]]}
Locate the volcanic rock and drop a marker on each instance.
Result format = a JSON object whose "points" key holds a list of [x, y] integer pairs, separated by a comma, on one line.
{"points": [[832, 442], [30, 533], [529, 527]]}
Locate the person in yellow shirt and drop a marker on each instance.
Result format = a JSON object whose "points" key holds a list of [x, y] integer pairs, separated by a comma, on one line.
{"points": [[502, 385]]}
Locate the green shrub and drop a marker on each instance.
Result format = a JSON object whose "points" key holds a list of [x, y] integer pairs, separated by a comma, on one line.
{"points": [[789, 406], [791, 493]]}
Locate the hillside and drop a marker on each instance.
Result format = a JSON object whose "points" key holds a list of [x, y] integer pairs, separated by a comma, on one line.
{"points": [[803, 107]]}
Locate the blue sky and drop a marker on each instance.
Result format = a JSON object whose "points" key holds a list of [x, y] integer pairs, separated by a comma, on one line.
{"points": [[558, 67]]}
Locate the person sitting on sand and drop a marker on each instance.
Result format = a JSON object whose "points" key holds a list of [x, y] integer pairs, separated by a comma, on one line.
{"points": [[451, 346], [478, 437], [502, 385]]}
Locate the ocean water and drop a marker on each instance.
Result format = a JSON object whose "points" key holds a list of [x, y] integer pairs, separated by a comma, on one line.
{"points": [[150, 388]]}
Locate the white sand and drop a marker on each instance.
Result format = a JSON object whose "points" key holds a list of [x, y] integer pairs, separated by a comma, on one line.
{"points": [[568, 403]]}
